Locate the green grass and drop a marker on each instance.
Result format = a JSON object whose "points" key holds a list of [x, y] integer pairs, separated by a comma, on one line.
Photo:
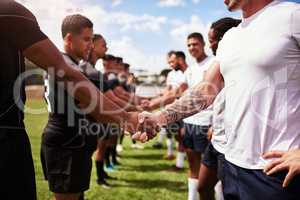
{"points": [[142, 175]]}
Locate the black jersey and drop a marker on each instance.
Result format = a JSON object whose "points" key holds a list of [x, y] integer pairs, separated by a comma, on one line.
{"points": [[98, 78], [66, 120], [20, 30]]}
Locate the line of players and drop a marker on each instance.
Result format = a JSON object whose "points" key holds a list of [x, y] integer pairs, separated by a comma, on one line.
{"points": [[194, 133], [71, 137]]}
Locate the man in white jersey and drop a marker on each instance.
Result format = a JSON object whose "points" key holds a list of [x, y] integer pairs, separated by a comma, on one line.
{"points": [[211, 165], [195, 134], [259, 64], [175, 86], [174, 79]]}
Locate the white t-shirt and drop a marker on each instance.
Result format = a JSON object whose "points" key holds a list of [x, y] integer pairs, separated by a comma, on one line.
{"points": [[219, 139], [260, 63], [193, 76], [175, 78]]}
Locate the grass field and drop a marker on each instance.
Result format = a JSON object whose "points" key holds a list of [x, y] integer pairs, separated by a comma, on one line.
{"points": [[142, 175]]}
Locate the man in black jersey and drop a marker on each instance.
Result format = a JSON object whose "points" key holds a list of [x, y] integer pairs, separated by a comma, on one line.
{"points": [[21, 38], [107, 86], [67, 148]]}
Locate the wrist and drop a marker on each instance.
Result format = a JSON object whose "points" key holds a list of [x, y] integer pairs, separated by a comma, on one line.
{"points": [[162, 118]]}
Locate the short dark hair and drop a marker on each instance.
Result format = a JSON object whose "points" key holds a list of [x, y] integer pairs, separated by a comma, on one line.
{"points": [[97, 37], [196, 35], [180, 54], [75, 24], [170, 53], [221, 26], [126, 66], [119, 60], [109, 57]]}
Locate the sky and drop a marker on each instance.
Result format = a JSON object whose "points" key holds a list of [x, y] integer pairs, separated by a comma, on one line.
{"points": [[140, 31]]}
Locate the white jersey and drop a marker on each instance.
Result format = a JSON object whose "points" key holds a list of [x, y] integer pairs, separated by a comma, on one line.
{"points": [[193, 76], [175, 79], [219, 139], [260, 63]]}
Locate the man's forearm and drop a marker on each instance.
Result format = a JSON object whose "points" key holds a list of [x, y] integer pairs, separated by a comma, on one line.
{"points": [[120, 102], [104, 109], [196, 99], [161, 101], [193, 101], [47, 56]]}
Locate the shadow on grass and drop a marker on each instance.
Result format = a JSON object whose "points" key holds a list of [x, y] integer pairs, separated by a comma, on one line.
{"points": [[144, 156], [150, 184], [163, 167]]}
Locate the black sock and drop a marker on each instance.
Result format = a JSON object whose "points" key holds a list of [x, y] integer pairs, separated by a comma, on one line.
{"points": [[133, 141], [99, 169], [106, 157]]}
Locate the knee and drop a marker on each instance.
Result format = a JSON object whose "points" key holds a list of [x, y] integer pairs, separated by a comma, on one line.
{"points": [[202, 187]]}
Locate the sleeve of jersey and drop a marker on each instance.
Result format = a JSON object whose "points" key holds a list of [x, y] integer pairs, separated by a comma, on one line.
{"points": [[219, 51], [112, 84], [126, 87], [295, 25], [102, 85], [22, 28], [185, 75]]}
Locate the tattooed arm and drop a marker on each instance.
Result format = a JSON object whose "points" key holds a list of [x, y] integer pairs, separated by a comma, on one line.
{"points": [[195, 100]]}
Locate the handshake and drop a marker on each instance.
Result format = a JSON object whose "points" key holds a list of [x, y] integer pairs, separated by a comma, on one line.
{"points": [[143, 126]]}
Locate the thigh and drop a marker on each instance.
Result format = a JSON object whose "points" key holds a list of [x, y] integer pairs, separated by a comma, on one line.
{"points": [[207, 177], [16, 166], [194, 163]]}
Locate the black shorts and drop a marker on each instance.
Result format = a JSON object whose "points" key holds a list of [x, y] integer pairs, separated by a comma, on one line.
{"points": [[246, 184], [213, 159], [174, 128], [67, 170], [195, 137], [17, 178]]}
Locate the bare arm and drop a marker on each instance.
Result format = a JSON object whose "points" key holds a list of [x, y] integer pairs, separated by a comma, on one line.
{"points": [[126, 96], [47, 56], [123, 104], [120, 93], [195, 100], [169, 97]]}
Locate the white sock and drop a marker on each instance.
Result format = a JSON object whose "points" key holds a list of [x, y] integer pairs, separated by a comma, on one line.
{"points": [[169, 147], [219, 191], [162, 135], [180, 159], [193, 189]]}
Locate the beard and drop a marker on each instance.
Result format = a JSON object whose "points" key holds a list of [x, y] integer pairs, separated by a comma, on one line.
{"points": [[177, 68]]}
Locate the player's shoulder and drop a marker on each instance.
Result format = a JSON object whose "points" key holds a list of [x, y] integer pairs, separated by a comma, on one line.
{"points": [[70, 61], [209, 61], [9, 8], [286, 6], [189, 69], [282, 10]]}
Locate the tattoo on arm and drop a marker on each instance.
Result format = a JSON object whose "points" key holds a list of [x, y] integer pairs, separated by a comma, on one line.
{"points": [[189, 104]]}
